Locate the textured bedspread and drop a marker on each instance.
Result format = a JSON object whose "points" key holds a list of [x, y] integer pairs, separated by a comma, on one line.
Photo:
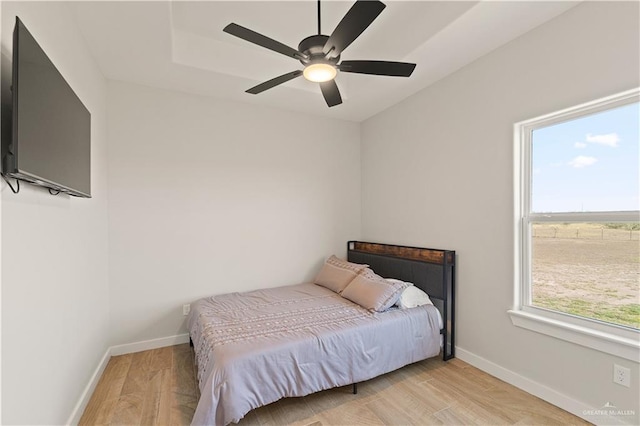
{"points": [[255, 348]]}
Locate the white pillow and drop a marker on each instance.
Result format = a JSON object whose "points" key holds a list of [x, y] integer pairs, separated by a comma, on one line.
{"points": [[393, 280], [411, 297]]}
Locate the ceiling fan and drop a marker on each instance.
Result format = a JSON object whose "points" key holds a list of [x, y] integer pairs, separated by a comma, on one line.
{"points": [[320, 54]]}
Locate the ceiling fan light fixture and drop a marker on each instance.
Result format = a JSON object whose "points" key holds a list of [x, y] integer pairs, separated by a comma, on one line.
{"points": [[319, 72]]}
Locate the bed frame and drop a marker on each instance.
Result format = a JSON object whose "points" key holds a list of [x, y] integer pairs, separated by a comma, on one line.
{"points": [[431, 270]]}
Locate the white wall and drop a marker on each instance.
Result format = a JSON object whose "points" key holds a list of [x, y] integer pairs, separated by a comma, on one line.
{"points": [[209, 197], [54, 251], [437, 171]]}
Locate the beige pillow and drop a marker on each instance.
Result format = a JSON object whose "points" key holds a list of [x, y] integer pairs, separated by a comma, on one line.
{"points": [[336, 273], [373, 292]]}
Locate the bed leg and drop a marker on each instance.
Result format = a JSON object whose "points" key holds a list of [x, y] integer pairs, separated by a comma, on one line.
{"points": [[355, 388]]}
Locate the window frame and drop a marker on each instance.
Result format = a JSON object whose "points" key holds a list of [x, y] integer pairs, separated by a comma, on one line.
{"points": [[606, 337]]}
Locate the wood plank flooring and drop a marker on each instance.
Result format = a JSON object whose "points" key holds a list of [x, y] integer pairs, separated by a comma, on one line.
{"points": [[158, 387]]}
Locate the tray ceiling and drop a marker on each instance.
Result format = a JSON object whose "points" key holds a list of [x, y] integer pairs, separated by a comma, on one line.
{"points": [[180, 45]]}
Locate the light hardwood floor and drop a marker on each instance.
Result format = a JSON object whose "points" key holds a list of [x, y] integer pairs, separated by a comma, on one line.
{"points": [[158, 387]]}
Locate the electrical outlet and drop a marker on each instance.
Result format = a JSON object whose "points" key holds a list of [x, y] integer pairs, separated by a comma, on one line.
{"points": [[621, 375], [186, 309]]}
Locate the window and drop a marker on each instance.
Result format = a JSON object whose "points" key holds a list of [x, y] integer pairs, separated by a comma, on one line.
{"points": [[577, 217]]}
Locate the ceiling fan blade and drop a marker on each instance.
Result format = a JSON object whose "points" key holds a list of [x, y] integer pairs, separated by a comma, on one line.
{"points": [[357, 19], [264, 41], [394, 69], [274, 82], [331, 93]]}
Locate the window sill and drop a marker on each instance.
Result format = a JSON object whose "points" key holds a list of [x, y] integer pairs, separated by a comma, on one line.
{"points": [[602, 341]]}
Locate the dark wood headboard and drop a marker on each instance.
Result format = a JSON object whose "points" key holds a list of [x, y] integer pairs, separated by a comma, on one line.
{"points": [[431, 270]]}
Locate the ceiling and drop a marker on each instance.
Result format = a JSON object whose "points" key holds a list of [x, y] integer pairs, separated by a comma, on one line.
{"points": [[180, 45]]}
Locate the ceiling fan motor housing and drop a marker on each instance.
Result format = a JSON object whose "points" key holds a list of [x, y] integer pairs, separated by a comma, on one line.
{"points": [[312, 47]]}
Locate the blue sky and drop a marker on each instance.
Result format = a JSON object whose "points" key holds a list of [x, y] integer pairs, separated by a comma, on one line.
{"points": [[588, 164]]}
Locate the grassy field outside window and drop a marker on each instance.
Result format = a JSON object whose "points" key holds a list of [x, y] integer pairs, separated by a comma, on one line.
{"points": [[591, 270]]}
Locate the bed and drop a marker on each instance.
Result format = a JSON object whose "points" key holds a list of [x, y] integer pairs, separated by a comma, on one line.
{"points": [[257, 347]]}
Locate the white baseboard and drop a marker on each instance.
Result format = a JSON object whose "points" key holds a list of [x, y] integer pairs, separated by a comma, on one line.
{"points": [[146, 345], [128, 348], [74, 419], [552, 396]]}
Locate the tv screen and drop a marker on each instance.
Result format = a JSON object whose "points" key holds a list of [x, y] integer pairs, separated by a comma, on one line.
{"points": [[51, 128]]}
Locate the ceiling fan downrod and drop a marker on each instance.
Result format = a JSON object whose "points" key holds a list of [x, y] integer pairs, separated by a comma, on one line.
{"points": [[319, 33]]}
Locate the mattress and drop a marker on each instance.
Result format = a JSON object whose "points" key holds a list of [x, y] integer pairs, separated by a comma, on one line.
{"points": [[255, 348]]}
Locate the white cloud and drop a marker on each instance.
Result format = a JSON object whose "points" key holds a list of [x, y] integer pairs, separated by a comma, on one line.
{"points": [[582, 161], [610, 139], [580, 145]]}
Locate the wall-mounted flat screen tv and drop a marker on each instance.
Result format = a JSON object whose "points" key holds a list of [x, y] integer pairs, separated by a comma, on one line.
{"points": [[50, 142]]}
